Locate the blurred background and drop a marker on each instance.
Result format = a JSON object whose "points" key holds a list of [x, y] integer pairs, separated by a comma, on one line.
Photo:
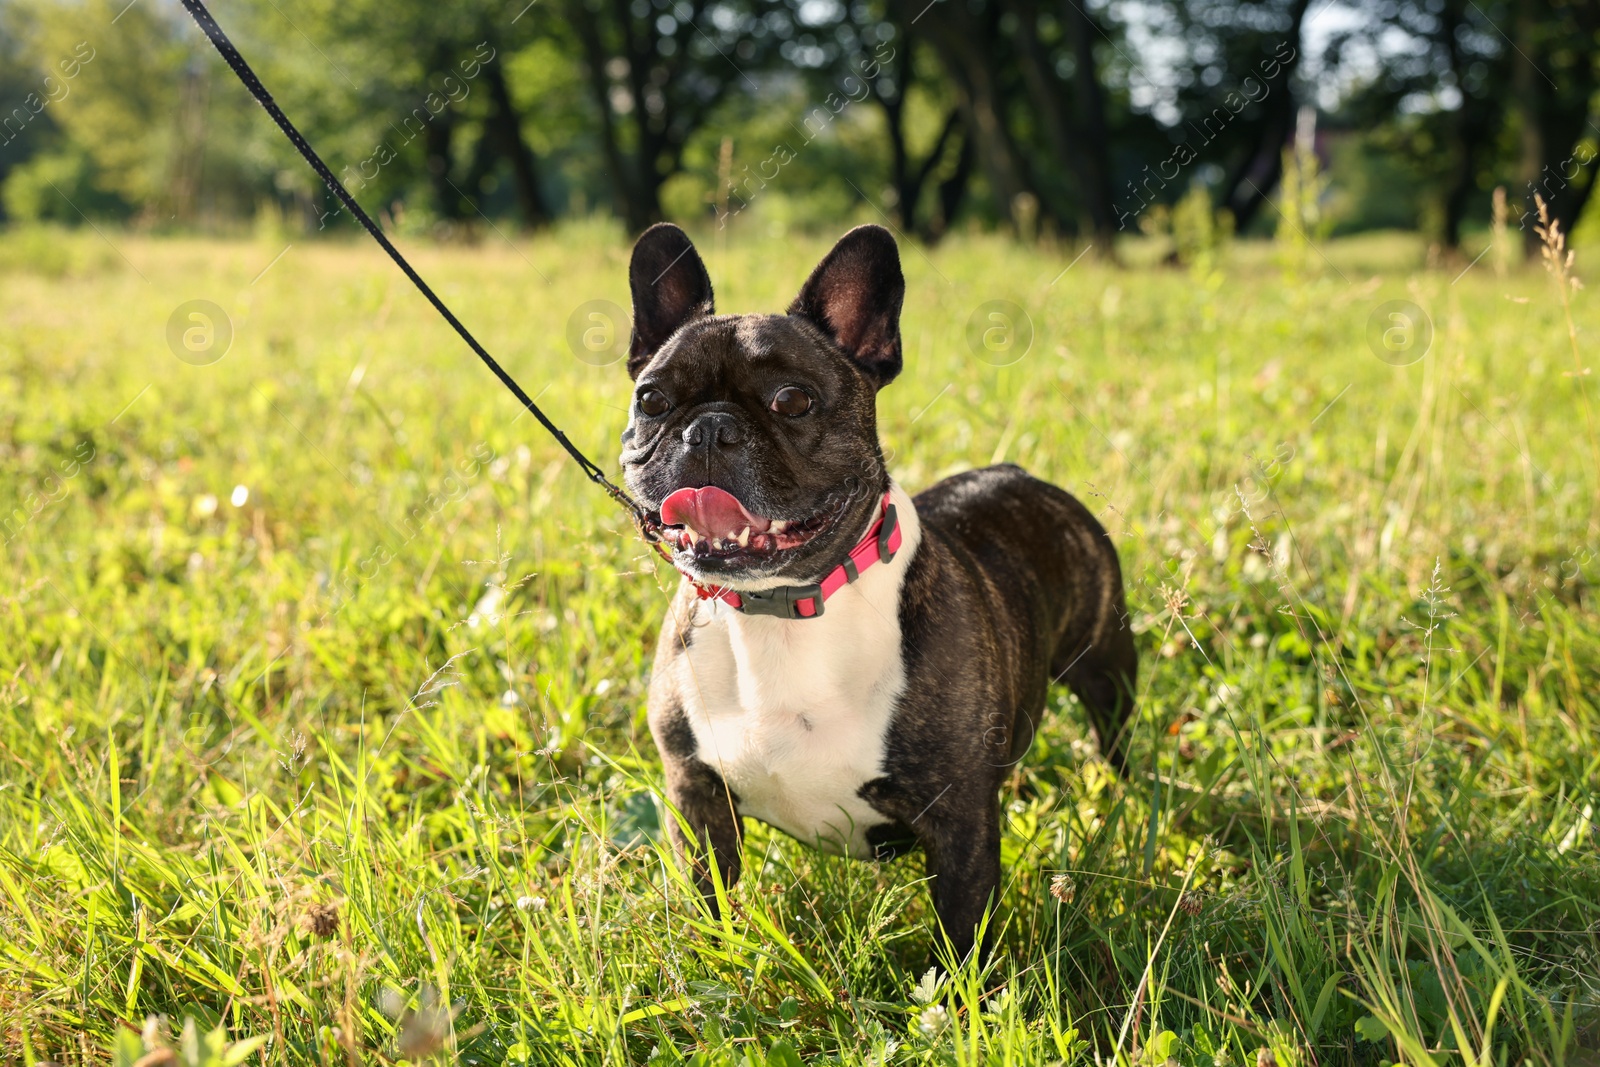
{"points": [[1083, 120]]}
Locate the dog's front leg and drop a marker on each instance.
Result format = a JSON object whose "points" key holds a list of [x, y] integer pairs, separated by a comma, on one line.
{"points": [[715, 831], [964, 859]]}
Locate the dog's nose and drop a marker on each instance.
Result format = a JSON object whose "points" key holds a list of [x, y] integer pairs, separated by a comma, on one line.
{"points": [[714, 429]]}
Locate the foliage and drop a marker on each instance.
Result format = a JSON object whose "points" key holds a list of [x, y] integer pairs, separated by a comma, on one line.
{"points": [[1074, 121], [1197, 233], [150, 1048], [322, 676], [1461, 96]]}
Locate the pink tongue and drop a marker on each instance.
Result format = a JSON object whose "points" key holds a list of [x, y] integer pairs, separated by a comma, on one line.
{"points": [[711, 511]]}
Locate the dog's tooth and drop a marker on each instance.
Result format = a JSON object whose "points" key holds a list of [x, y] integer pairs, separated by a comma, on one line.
{"points": [[779, 525], [744, 538]]}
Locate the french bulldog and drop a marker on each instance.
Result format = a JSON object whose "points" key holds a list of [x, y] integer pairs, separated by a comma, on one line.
{"points": [[852, 665]]}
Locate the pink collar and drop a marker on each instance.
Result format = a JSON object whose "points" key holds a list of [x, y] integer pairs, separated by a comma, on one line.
{"points": [[879, 545]]}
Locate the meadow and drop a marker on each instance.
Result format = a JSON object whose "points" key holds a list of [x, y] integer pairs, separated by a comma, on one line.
{"points": [[322, 670]]}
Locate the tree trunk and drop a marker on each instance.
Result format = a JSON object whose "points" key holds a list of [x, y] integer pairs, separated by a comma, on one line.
{"points": [[966, 49], [1095, 144], [983, 116], [953, 190], [1552, 89], [894, 124], [908, 177], [672, 97], [899, 163], [1528, 87], [919, 180], [649, 129], [1464, 133], [1567, 184], [1458, 198], [622, 195], [524, 166], [1045, 95], [436, 139], [1247, 187]]}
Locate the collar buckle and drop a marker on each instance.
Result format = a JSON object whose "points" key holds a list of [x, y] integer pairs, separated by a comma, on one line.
{"points": [[885, 532], [782, 602]]}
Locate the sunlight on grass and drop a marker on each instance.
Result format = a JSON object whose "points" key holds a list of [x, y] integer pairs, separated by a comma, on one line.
{"points": [[323, 676]]}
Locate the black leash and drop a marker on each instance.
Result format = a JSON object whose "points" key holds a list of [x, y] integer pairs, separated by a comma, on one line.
{"points": [[231, 56]]}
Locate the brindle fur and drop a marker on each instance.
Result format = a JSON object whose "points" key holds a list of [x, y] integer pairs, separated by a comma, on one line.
{"points": [[1013, 586]]}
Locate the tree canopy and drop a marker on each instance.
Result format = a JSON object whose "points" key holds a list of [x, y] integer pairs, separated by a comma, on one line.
{"points": [[1072, 118]]}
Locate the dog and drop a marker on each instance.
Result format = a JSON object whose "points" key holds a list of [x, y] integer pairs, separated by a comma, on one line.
{"points": [[854, 666]]}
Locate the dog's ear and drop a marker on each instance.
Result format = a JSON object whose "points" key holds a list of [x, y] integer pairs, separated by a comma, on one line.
{"points": [[670, 286], [854, 296]]}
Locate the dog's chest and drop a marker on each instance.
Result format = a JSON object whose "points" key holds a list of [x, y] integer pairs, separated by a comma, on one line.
{"points": [[795, 715]]}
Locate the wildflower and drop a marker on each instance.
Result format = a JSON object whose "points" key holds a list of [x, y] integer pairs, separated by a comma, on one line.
{"points": [[321, 920], [526, 902], [934, 1019], [1062, 887], [1190, 904], [924, 991]]}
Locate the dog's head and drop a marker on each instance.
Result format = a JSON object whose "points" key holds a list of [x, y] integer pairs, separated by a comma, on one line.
{"points": [[754, 437]]}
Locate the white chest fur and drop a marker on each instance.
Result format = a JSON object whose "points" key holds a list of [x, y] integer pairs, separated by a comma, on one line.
{"points": [[794, 714]]}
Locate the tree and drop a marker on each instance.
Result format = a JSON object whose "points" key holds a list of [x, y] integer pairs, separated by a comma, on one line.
{"points": [[865, 51], [1041, 106], [1234, 99], [657, 71], [133, 115], [1554, 79], [1478, 94], [972, 49], [429, 88]]}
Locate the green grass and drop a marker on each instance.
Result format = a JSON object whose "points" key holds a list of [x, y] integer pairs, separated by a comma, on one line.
{"points": [[360, 766]]}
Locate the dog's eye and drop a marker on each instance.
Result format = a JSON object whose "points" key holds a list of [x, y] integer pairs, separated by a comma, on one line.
{"points": [[653, 402], [791, 400]]}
